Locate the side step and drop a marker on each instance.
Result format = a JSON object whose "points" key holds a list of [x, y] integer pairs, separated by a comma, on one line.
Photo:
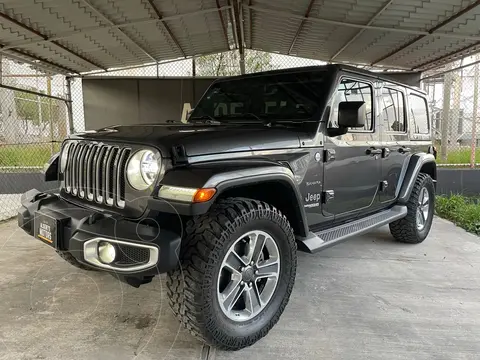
{"points": [[328, 237]]}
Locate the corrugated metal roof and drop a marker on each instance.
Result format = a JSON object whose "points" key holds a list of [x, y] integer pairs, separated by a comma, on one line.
{"points": [[76, 36]]}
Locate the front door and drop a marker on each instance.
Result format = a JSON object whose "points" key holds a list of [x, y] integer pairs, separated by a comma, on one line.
{"points": [[352, 167]]}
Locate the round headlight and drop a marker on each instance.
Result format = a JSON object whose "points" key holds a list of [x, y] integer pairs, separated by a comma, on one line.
{"points": [[64, 157], [142, 169], [106, 252]]}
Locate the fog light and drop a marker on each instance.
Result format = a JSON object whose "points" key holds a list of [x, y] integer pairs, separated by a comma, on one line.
{"points": [[106, 252]]}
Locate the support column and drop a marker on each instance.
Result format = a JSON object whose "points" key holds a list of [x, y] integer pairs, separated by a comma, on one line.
{"points": [[242, 62], [447, 89], [69, 105], [50, 114], [476, 78]]}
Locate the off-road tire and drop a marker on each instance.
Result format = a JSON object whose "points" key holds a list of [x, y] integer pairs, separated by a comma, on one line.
{"points": [[192, 287], [72, 261], [405, 230]]}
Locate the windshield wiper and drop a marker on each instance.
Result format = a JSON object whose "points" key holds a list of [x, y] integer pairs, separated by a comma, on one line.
{"points": [[204, 119], [237, 116]]}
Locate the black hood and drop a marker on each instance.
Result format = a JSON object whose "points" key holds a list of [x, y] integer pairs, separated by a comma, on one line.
{"points": [[199, 139]]}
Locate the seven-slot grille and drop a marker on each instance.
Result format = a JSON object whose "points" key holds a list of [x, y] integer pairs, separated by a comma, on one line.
{"points": [[96, 172]]}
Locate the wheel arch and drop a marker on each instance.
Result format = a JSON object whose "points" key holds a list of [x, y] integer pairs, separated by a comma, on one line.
{"points": [[430, 168], [274, 190], [418, 163], [272, 183]]}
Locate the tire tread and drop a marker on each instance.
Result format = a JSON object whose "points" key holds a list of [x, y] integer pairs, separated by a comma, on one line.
{"points": [[204, 238], [404, 230]]}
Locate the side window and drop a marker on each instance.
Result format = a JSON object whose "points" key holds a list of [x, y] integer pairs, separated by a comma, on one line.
{"points": [[353, 90], [392, 107], [419, 114]]}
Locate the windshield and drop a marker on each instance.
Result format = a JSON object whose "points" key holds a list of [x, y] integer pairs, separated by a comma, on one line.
{"points": [[288, 96]]}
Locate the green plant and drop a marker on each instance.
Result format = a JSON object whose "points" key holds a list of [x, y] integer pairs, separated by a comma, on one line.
{"points": [[227, 63], [461, 210], [26, 154], [461, 156]]}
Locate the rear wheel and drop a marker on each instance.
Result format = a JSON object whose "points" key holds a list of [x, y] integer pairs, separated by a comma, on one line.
{"points": [[415, 227], [238, 265]]}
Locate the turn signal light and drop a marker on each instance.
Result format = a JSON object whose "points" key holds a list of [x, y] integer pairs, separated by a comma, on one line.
{"points": [[203, 195]]}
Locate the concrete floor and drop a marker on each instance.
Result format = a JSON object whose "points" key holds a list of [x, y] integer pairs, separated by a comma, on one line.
{"points": [[369, 298]]}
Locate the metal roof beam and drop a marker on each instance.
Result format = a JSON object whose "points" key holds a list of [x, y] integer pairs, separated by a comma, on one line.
{"points": [[224, 27], [119, 30], [357, 35], [232, 21], [359, 26], [167, 28], [21, 55], [44, 37], [302, 23], [440, 74], [238, 18], [14, 88], [94, 74], [107, 27], [425, 67], [431, 31], [250, 19]]}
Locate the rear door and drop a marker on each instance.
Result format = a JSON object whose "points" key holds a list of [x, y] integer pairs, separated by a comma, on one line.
{"points": [[394, 136], [352, 167]]}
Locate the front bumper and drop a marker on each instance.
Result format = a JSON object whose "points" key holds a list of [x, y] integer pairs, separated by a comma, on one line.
{"points": [[144, 250]]}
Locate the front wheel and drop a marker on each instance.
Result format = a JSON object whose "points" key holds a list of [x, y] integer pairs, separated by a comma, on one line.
{"points": [[238, 265], [415, 227]]}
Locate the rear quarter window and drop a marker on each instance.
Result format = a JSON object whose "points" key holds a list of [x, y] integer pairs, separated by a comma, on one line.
{"points": [[419, 114]]}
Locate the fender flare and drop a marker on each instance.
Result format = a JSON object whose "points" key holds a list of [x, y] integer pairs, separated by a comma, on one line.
{"points": [[416, 162], [237, 178], [229, 179]]}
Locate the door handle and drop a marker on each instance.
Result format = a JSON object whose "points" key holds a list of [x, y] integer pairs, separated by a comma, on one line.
{"points": [[372, 151], [403, 150]]}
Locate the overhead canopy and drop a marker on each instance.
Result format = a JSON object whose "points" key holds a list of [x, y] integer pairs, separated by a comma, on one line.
{"points": [[77, 36]]}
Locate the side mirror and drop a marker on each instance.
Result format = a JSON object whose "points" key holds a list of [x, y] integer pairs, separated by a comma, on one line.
{"points": [[351, 114]]}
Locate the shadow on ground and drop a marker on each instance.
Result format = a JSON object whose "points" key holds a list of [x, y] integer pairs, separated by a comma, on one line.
{"points": [[369, 298]]}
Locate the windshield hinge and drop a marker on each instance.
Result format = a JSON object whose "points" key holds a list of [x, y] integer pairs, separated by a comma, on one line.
{"points": [[179, 155], [328, 155]]}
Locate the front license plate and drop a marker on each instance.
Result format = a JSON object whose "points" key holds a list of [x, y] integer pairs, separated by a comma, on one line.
{"points": [[46, 228]]}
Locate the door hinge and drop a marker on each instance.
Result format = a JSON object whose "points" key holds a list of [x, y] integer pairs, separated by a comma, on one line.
{"points": [[328, 155], [327, 196]]}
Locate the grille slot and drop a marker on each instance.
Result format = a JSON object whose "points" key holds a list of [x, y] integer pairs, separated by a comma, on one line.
{"points": [[96, 172]]}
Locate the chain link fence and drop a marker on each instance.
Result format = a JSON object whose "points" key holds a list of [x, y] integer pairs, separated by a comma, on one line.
{"points": [[39, 109], [33, 122], [453, 97]]}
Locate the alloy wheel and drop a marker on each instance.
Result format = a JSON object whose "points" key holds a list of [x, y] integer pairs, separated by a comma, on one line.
{"points": [[423, 208], [248, 275]]}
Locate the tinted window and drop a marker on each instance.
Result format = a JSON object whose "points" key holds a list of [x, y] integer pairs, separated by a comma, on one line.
{"points": [[392, 106], [290, 96], [353, 90], [419, 114]]}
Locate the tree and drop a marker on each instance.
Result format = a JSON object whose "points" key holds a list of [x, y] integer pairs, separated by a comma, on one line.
{"points": [[35, 109], [31, 107], [228, 63]]}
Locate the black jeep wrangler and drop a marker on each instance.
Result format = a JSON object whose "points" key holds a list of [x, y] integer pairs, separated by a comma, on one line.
{"points": [[303, 157]]}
